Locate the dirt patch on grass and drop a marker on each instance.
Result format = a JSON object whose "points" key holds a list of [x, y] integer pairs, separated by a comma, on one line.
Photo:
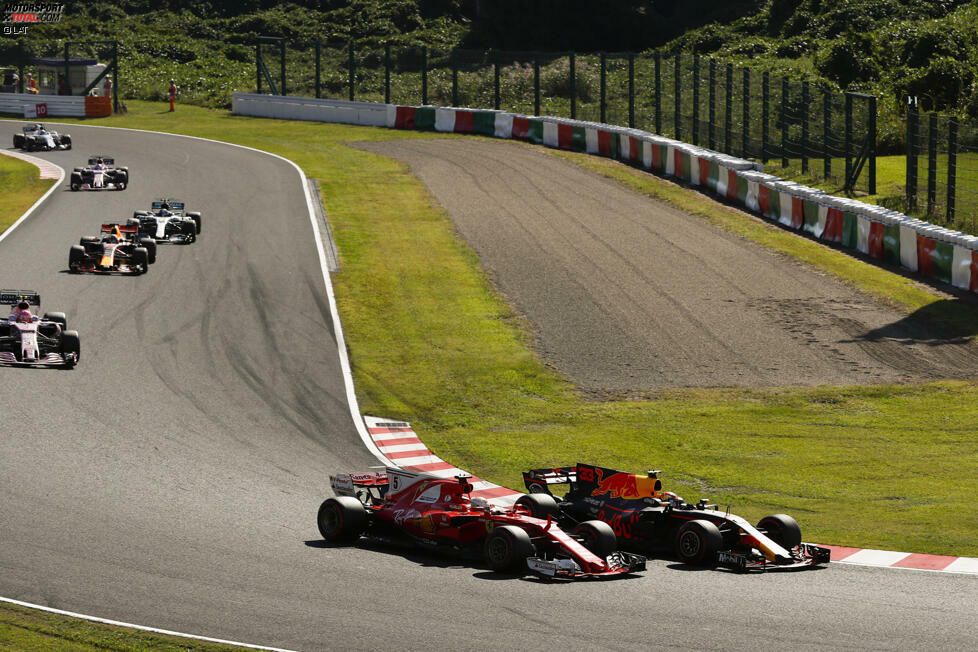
{"points": [[629, 294]]}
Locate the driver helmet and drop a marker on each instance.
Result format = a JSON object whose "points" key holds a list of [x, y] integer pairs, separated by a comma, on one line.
{"points": [[23, 312], [100, 162], [112, 239]]}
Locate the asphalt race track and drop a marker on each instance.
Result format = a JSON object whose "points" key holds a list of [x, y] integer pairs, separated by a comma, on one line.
{"points": [[172, 478]]}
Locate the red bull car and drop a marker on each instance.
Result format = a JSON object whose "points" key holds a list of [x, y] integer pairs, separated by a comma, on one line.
{"points": [[116, 251], [645, 517], [436, 512]]}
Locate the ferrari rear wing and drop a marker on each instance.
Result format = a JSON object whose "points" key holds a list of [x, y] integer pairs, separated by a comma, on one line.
{"points": [[13, 297]]}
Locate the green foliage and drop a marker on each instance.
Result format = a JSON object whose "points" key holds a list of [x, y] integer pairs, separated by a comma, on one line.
{"points": [[927, 48]]}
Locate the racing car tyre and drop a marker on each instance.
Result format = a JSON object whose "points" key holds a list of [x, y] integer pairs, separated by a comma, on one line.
{"points": [[140, 256], [342, 518], [539, 505], [507, 548], [70, 343], [76, 256], [598, 537], [697, 542], [18, 141], [58, 317], [782, 529], [150, 245], [196, 218]]}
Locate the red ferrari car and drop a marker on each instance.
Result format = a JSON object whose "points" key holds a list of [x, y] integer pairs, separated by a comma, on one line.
{"points": [[438, 512]]}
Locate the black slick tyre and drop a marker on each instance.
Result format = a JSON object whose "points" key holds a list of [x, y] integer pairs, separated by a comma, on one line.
{"points": [[70, 347], [58, 317], [140, 258], [149, 244], [539, 505], [342, 518], [506, 549], [697, 542], [196, 218], [76, 256], [597, 536], [782, 529]]}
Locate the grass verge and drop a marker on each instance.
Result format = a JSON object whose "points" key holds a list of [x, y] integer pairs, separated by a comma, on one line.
{"points": [[32, 629], [20, 186], [890, 467]]}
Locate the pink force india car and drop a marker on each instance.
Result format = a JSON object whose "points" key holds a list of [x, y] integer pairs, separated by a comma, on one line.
{"points": [[438, 513], [26, 339]]}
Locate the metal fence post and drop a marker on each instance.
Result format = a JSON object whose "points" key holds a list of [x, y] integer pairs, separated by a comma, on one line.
{"points": [[68, 71], [677, 104], [631, 90], [115, 76], [696, 99], [765, 114], [782, 122], [573, 87], [745, 148], [387, 73], [952, 167], [281, 48], [728, 111], [912, 143], [353, 73], [932, 163], [318, 67], [257, 66], [658, 92], [713, 104], [495, 81], [536, 83], [805, 101], [872, 145], [424, 75], [848, 139], [826, 132], [604, 72], [454, 60]]}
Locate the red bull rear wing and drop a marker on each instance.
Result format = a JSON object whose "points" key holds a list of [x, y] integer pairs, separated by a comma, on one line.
{"points": [[123, 228], [595, 481]]}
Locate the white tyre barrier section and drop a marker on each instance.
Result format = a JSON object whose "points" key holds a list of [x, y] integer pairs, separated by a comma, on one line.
{"points": [[40, 107], [888, 236]]}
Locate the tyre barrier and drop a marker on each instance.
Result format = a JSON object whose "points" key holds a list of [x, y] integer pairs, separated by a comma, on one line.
{"points": [[933, 252], [882, 234]]}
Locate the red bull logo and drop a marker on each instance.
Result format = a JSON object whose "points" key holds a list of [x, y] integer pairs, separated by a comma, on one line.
{"points": [[625, 485]]}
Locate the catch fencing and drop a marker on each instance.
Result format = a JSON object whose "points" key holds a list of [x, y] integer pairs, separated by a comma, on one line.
{"points": [[801, 127]]}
